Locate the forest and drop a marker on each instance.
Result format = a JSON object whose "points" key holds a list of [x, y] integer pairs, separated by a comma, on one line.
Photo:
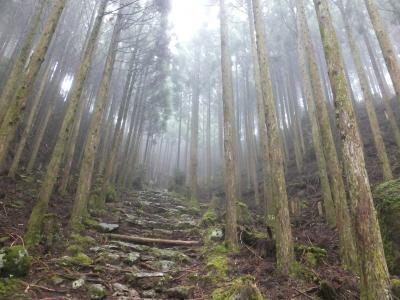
{"points": [[200, 149]]}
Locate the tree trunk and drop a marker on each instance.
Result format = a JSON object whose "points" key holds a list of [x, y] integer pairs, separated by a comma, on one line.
{"points": [[11, 85], [14, 112], [32, 236], [79, 209], [388, 50], [343, 220], [375, 281], [231, 238], [369, 101], [284, 241]]}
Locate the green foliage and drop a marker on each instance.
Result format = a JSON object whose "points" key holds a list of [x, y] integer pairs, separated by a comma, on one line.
{"points": [[244, 216], [300, 271], [14, 261], [209, 218], [9, 287], [242, 288], [311, 255], [387, 202]]}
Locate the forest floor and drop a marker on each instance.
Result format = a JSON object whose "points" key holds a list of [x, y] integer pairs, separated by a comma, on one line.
{"points": [[99, 265]]}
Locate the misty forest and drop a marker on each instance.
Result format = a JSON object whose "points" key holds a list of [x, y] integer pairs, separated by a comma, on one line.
{"points": [[200, 149]]}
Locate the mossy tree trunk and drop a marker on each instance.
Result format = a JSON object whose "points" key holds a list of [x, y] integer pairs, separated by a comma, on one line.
{"points": [[389, 53], [369, 101], [8, 92], [343, 220], [29, 124], [262, 128], [315, 132], [32, 236], [383, 88], [284, 240], [80, 206], [16, 108], [231, 238], [375, 281]]}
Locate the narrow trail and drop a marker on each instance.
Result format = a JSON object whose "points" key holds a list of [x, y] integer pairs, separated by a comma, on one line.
{"points": [[101, 264]]}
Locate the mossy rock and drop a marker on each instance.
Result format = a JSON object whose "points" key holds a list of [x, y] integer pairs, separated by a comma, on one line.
{"points": [[244, 216], [396, 287], [14, 261], [242, 288], [97, 291], [387, 203]]}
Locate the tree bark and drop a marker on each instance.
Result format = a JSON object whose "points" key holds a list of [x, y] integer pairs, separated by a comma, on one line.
{"points": [[375, 280]]}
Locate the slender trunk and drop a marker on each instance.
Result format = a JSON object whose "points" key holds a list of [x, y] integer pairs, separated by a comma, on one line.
{"points": [[343, 220], [79, 209], [14, 112], [34, 228], [369, 101], [284, 240], [389, 53], [231, 238], [384, 90], [9, 91], [375, 280]]}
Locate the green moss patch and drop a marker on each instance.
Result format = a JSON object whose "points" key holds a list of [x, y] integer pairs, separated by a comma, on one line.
{"points": [[14, 261], [310, 255], [9, 287], [242, 288], [387, 202], [244, 216], [209, 218]]}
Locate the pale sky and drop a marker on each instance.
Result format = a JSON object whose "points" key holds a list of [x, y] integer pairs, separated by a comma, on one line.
{"points": [[188, 16]]}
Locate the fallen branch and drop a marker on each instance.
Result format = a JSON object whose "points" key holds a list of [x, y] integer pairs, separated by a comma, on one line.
{"points": [[144, 240]]}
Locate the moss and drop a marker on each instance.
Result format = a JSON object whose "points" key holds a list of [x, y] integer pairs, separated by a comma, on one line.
{"points": [[300, 271], [244, 216], [311, 255], [14, 261], [4, 240], [74, 249], [242, 288], [218, 267], [82, 241], [111, 193], [90, 222], [396, 287], [9, 287], [80, 260], [209, 218], [387, 202], [97, 291]]}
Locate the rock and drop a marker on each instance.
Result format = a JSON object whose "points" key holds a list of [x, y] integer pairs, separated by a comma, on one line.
{"points": [[180, 292], [149, 294], [146, 280], [169, 254], [387, 202], [97, 291], [125, 292], [132, 257], [77, 284], [14, 261], [215, 234], [106, 228], [129, 246], [164, 265]]}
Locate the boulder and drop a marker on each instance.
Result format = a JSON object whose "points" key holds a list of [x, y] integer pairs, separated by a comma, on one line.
{"points": [[107, 228]]}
